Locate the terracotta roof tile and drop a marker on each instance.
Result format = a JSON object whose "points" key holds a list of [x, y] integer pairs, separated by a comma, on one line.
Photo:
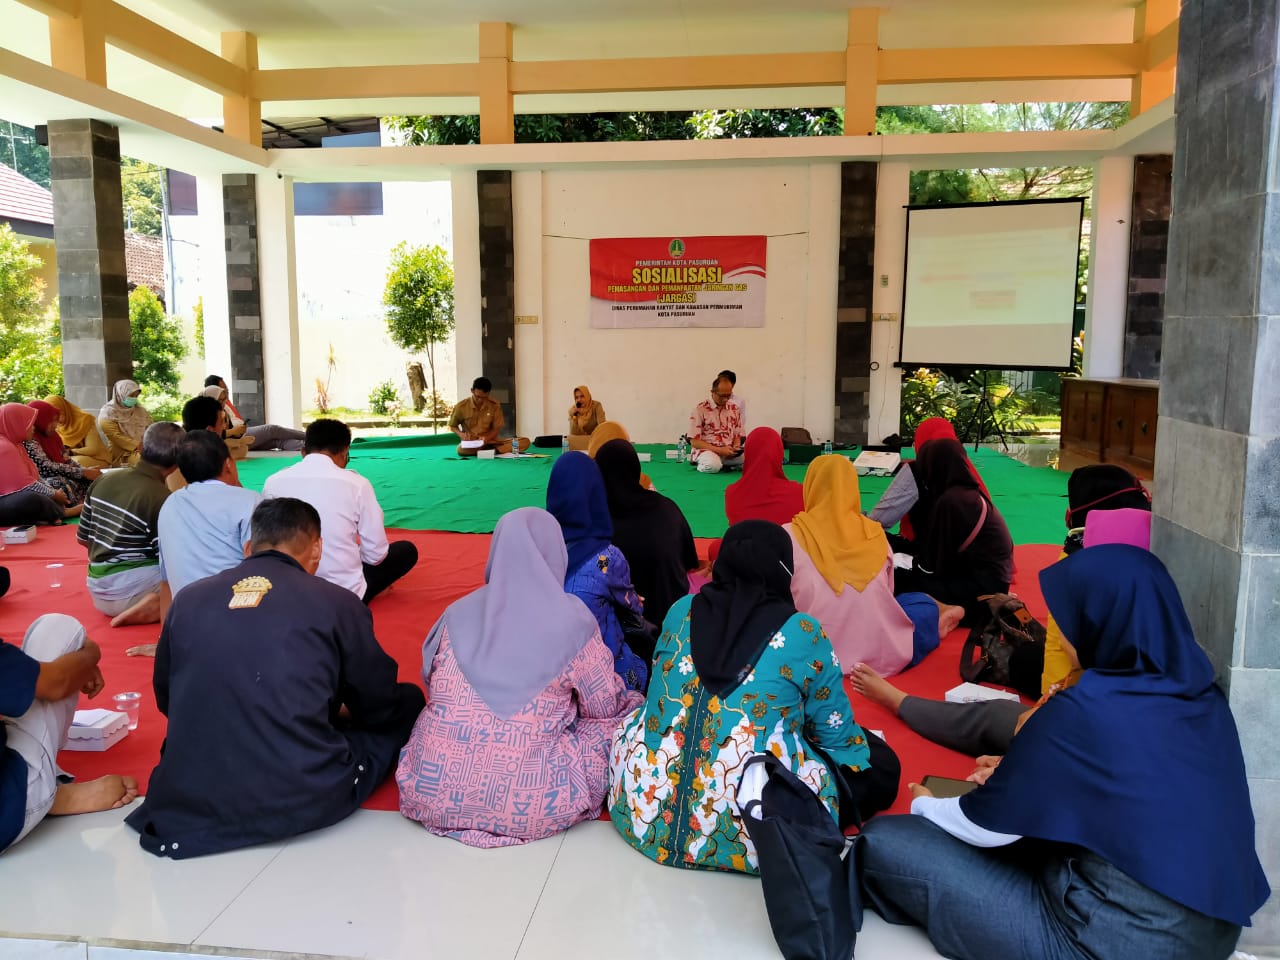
{"points": [[144, 261], [23, 199]]}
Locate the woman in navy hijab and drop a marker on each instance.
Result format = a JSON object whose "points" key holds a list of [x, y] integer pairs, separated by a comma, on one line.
{"points": [[1118, 825]]}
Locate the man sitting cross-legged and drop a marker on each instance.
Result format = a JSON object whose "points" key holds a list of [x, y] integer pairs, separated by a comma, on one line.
{"points": [[205, 525], [118, 526], [284, 712], [357, 555], [40, 683]]}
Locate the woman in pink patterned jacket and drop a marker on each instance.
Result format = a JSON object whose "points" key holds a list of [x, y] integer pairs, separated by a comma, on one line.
{"points": [[522, 701]]}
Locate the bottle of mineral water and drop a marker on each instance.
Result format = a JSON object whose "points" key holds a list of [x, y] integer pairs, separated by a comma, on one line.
{"points": [[564, 443], [826, 447], [682, 449]]}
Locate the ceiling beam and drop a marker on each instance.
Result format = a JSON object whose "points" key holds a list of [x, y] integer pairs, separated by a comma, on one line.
{"points": [[346, 83], [1162, 48], [679, 73], [144, 38], [1097, 61]]}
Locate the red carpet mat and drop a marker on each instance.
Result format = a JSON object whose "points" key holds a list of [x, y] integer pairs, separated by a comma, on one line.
{"points": [[451, 564]]}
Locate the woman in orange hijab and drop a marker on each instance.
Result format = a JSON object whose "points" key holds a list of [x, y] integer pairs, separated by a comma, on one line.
{"points": [[844, 576], [79, 431], [586, 414]]}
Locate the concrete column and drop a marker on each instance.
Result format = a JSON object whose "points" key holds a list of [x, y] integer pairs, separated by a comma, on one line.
{"points": [[1216, 521], [93, 290], [497, 288], [1148, 260], [283, 386], [467, 334], [1108, 300], [213, 277], [542, 405], [244, 304], [820, 305], [893, 193], [853, 301]]}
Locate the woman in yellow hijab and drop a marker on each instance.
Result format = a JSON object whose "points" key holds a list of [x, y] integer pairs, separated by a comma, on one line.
{"points": [[79, 431], [844, 576], [613, 430], [586, 414]]}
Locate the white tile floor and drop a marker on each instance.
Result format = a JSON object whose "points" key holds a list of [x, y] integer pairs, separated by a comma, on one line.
{"points": [[378, 886]]}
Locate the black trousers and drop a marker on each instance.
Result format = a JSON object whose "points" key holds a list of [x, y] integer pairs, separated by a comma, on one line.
{"points": [[875, 788], [956, 589], [400, 559], [377, 748], [971, 728]]}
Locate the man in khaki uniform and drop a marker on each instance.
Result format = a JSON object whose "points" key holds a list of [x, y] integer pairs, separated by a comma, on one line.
{"points": [[479, 417]]}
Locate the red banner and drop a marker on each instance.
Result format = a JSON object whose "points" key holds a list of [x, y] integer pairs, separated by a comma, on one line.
{"points": [[678, 282]]}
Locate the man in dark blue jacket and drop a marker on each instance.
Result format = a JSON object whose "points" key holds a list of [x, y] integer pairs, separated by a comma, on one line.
{"points": [[284, 712]]}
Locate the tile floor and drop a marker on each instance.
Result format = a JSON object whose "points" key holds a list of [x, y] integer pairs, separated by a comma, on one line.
{"points": [[378, 886]]}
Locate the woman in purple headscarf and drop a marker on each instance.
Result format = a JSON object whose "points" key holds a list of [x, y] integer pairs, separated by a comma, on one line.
{"points": [[522, 701]]}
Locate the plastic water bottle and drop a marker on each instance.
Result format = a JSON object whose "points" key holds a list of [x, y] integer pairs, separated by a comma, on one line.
{"points": [[826, 448], [515, 446], [682, 449], [564, 443]]}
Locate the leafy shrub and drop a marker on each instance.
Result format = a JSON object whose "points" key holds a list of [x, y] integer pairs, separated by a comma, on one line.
{"points": [[162, 405], [382, 395]]}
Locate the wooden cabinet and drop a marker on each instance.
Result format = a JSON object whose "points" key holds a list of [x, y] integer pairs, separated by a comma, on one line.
{"points": [[1110, 421]]}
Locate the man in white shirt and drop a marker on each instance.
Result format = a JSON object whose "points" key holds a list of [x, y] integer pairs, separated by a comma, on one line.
{"points": [[356, 555], [715, 430]]}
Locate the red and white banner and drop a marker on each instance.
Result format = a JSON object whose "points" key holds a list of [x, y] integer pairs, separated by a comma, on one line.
{"points": [[678, 282]]}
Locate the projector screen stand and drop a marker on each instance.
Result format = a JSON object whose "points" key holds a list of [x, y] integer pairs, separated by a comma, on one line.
{"points": [[983, 414]]}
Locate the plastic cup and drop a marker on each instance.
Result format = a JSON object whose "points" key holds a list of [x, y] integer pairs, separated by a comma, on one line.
{"points": [[130, 704], [55, 575]]}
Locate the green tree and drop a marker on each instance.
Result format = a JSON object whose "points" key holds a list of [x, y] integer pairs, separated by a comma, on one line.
{"points": [[419, 302], [158, 344], [199, 327], [30, 347], [755, 124], [20, 288], [141, 190], [19, 150]]}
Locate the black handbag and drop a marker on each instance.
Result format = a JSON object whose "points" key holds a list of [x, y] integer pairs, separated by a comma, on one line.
{"points": [[1010, 646], [808, 868]]}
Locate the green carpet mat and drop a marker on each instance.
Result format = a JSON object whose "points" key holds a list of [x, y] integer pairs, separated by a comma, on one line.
{"points": [[423, 485]]}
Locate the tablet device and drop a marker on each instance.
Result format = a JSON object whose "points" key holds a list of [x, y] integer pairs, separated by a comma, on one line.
{"points": [[946, 787]]}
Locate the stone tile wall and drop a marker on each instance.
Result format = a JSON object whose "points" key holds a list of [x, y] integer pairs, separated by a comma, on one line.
{"points": [[1217, 504], [1148, 256], [93, 292], [498, 289], [244, 294], [853, 302]]}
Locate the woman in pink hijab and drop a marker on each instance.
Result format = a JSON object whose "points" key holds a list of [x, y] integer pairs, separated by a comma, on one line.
{"points": [[24, 497]]}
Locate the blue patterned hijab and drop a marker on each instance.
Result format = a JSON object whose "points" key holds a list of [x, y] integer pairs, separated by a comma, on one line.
{"points": [[1140, 761], [576, 498]]}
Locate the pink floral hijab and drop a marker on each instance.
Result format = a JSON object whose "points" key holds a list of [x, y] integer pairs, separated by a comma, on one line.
{"points": [[16, 468]]}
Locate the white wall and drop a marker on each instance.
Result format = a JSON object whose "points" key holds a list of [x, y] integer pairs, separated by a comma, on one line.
{"points": [[1107, 305], [650, 379], [893, 191], [342, 271]]}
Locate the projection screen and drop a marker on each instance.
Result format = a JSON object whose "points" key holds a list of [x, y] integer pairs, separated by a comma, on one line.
{"points": [[991, 285]]}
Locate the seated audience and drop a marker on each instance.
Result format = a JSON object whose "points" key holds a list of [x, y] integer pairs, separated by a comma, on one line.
{"points": [[735, 397], [284, 712], [122, 421], [584, 416], [119, 527], [49, 454], [763, 492], [207, 415], [607, 432], [716, 430], [79, 432], [237, 443], [903, 503], [987, 727], [844, 577], [357, 555], [965, 550], [738, 671], [542, 700], [24, 496], [650, 531], [265, 436], [1131, 785], [40, 684], [479, 417], [598, 573]]}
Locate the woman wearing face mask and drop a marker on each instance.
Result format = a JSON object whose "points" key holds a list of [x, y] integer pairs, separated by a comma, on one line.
{"points": [[122, 421]]}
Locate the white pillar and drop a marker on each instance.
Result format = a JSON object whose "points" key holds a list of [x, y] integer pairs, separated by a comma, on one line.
{"points": [[466, 279], [277, 272], [820, 316], [1108, 301], [212, 236], [893, 192], [533, 398]]}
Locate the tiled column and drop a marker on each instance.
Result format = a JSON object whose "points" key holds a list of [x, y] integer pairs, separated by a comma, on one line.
{"points": [[497, 289], [88, 228], [1148, 255], [853, 301], [244, 294], [1217, 519]]}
